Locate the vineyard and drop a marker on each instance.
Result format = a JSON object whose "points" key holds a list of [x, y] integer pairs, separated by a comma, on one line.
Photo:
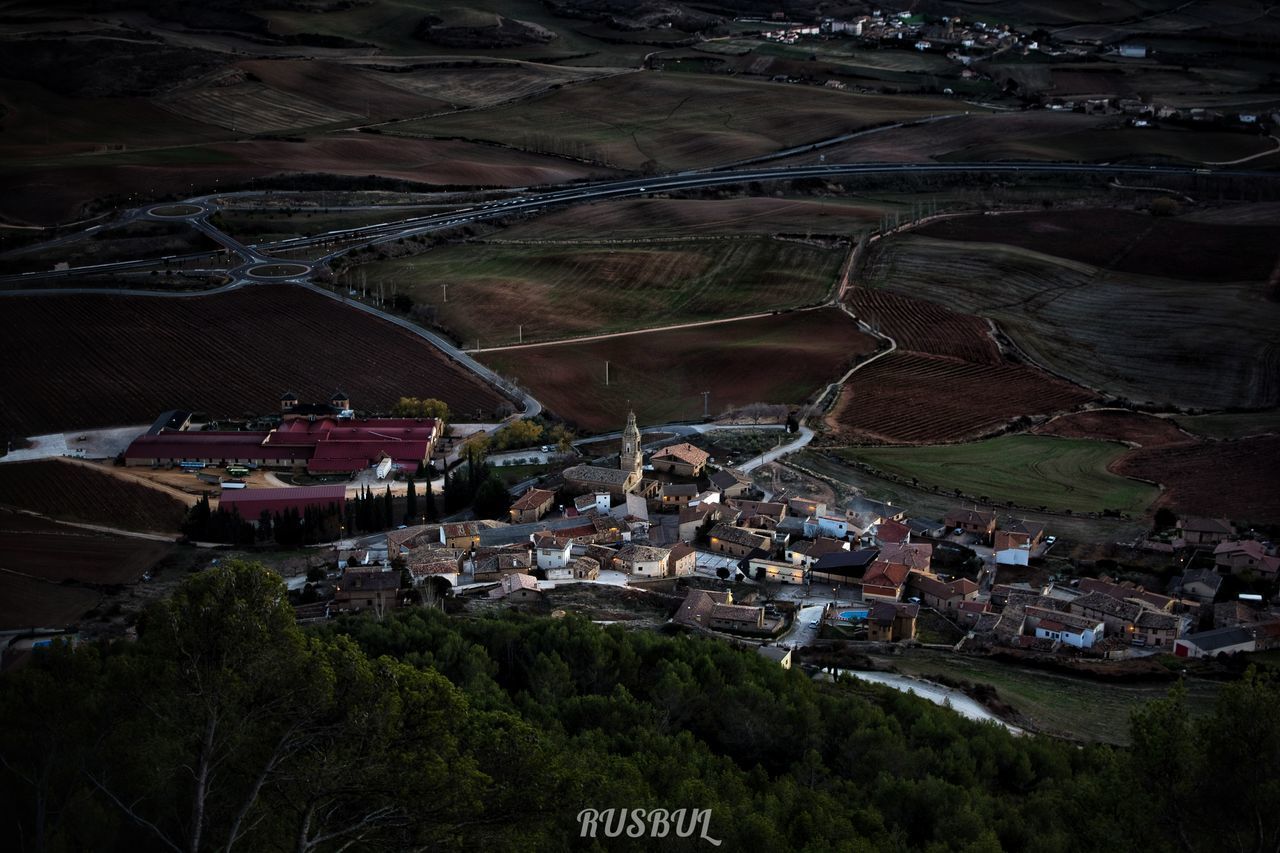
{"points": [[75, 492], [1235, 479], [251, 108], [925, 327], [1116, 425], [1128, 335], [79, 361], [910, 398]]}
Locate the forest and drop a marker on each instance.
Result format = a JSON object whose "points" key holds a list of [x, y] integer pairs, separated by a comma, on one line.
{"points": [[227, 726]]}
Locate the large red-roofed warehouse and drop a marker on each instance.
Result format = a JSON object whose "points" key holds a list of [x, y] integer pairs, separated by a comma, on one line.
{"points": [[250, 503], [325, 445]]}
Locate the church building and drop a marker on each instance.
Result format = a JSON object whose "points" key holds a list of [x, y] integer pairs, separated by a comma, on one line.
{"points": [[627, 478]]}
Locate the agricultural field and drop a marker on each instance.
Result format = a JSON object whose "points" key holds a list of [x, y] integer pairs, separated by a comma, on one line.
{"points": [[1123, 145], [264, 225], [647, 218], [567, 290], [1236, 479], [1127, 241], [128, 242], [778, 359], [31, 603], [1133, 428], [1122, 333], [908, 398], [1232, 424], [1028, 470], [248, 107], [671, 122], [122, 360], [924, 327], [73, 491], [482, 83]]}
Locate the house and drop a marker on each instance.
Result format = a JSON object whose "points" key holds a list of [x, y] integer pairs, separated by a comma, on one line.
{"points": [[884, 580], [1155, 628], [683, 459], [891, 622], [842, 566], [1018, 534], [776, 571], [598, 502], [694, 518], [492, 564], [809, 551], [373, 589], [709, 496], [926, 528], [777, 654], [676, 495], [736, 617], [892, 533], [1082, 632], [695, 611], [625, 479], [423, 564], [968, 613], [1118, 616], [642, 560], [917, 556], [831, 525], [517, 588], [463, 535], [1219, 641], [1127, 592], [532, 506], [979, 523], [939, 594], [1204, 531], [585, 569], [865, 513], [682, 560], [758, 509], [806, 507], [730, 484], [724, 538], [1201, 585], [1245, 556], [551, 552]]}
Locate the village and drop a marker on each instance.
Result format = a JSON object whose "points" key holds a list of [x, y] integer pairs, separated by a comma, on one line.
{"points": [[671, 540]]}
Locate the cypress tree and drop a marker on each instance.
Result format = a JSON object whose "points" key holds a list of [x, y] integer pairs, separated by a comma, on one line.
{"points": [[430, 498], [410, 502], [388, 514]]}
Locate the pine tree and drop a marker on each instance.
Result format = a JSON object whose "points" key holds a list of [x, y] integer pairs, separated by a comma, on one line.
{"points": [[430, 498], [410, 502]]}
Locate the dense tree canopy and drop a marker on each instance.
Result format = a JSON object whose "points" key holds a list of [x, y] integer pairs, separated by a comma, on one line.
{"points": [[226, 727]]}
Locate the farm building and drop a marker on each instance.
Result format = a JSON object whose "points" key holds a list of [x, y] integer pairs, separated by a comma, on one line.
{"points": [[532, 505], [324, 445], [727, 539], [251, 503], [368, 589]]}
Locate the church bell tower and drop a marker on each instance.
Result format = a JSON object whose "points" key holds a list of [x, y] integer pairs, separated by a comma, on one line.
{"points": [[632, 458]]}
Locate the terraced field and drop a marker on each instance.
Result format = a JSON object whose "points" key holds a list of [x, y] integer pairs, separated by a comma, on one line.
{"points": [[778, 359], [252, 108], [1036, 472], [558, 291], [672, 122], [1144, 338], [906, 398], [121, 360]]}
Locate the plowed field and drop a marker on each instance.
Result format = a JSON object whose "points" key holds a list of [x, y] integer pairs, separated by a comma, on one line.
{"points": [[1117, 425], [925, 327], [76, 492], [1237, 479]]}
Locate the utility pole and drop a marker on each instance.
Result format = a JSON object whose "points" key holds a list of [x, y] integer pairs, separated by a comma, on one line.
{"points": [[520, 333], [606, 373], [706, 404], [445, 288]]}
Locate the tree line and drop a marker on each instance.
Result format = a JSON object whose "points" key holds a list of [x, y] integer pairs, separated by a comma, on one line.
{"points": [[225, 726]]}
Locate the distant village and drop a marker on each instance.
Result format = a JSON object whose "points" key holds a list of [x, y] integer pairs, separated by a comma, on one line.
{"points": [[708, 549]]}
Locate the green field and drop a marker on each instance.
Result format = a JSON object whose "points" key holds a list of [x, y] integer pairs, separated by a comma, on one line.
{"points": [[1030, 470], [566, 290], [656, 122], [1056, 703]]}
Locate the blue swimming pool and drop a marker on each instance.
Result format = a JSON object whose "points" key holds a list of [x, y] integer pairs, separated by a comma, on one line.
{"points": [[854, 615]]}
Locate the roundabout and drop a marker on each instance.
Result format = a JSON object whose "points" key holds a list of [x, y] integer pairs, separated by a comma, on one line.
{"points": [[281, 270], [175, 211]]}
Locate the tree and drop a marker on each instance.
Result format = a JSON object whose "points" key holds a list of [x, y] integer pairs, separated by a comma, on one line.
{"points": [[411, 502], [492, 498], [429, 497], [388, 511], [1165, 519], [427, 407], [722, 573], [522, 433]]}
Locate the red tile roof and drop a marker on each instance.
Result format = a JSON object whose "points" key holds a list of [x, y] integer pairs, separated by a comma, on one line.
{"points": [[892, 532], [683, 452], [251, 502]]}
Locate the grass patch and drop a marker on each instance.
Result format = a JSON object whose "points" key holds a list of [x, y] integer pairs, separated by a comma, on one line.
{"points": [[1057, 703], [558, 291], [1029, 470]]}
